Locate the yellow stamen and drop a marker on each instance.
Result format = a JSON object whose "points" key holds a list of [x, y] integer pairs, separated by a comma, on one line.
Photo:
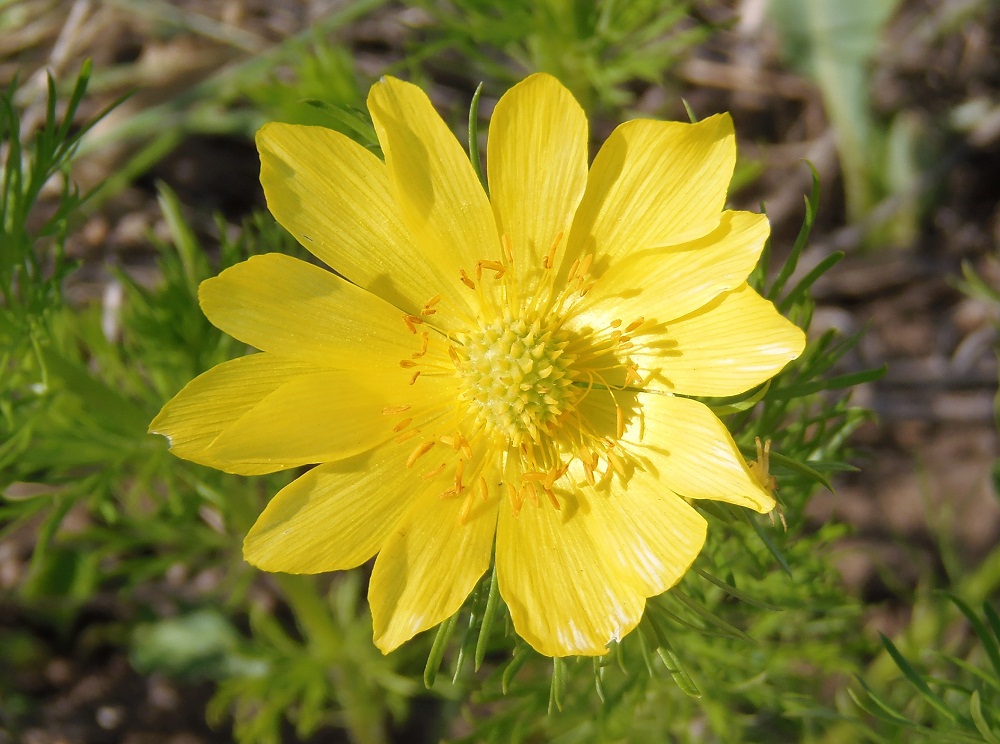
{"points": [[421, 449]]}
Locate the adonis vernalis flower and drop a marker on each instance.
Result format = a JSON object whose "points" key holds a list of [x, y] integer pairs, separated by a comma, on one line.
{"points": [[511, 370]]}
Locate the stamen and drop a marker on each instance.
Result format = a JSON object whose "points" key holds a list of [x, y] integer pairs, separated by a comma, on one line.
{"points": [[402, 424], [406, 435], [436, 471], [407, 363], [389, 410], [421, 449], [635, 324], [428, 308], [616, 462], [550, 257], [508, 254], [494, 266], [515, 499], [616, 322], [465, 279], [459, 469], [424, 341], [415, 376], [463, 515], [484, 490], [552, 498], [620, 421]]}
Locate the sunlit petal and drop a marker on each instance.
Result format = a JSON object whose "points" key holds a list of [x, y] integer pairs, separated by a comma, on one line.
{"points": [[438, 195], [537, 167], [280, 304], [727, 347], [686, 447], [334, 196], [339, 514], [663, 284], [429, 563], [214, 400], [654, 183], [565, 597]]}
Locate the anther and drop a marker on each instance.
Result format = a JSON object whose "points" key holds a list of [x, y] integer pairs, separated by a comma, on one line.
{"points": [[406, 435], [425, 339], [407, 363], [552, 498], [415, 376], [635, 324], [402, 424], [463, 515], [436, 471], [411, 322], [389, 410], [422, 449], [484, 490], [465, 279], [507, 252], [550, 257], [453, 353], [494, 266], [616, 322], [428, 308], [620, 421], [616, 462]]}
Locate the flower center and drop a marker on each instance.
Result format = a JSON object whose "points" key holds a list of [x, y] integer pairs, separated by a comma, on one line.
{"points": [[515, 376]]}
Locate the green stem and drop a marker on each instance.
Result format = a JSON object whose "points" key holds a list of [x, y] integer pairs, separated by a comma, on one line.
{"points": [[363, 717]]}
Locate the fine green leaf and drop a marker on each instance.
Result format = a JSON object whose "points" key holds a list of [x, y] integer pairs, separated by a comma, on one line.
{"points": [[436, 654], [917, 680]]}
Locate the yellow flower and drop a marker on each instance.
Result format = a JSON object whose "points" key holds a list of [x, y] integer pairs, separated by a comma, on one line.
{"points": [[509, 369]]}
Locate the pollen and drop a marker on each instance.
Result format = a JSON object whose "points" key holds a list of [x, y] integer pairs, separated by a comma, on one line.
{"points": [[516, 376]]}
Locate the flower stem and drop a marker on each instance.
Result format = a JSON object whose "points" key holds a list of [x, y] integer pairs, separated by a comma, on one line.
{"points": [[363, 717]]}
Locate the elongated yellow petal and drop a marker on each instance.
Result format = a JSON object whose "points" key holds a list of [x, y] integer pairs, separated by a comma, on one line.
{"points": [[429, 564], [651, 536], [655, 183], [334, 517], [211, 402], [282, 305], [437, 193], [334, 196], [663, 284], [692, 453], [537, 168], [732, 344], [565, 596], [321, 417]]}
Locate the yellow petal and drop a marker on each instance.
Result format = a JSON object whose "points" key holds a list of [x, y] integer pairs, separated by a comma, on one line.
{"points": [[212, 401], [334, 517], [429, 564], [683, 444], [279, 304], [322, 417], [556, 576], [663, 284], [732, 344], [537, 167], [655, 183], [438, 194], [334, 196], [651, 536]]}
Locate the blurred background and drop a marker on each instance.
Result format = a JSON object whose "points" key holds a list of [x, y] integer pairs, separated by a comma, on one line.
{"points": [[895, 103]]}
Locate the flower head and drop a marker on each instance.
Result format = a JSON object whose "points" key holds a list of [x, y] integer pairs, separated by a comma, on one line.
{"points": [[512, 369]]}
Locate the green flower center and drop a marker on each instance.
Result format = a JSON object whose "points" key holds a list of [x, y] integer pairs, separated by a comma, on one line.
{"points": [[516, 377]]}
